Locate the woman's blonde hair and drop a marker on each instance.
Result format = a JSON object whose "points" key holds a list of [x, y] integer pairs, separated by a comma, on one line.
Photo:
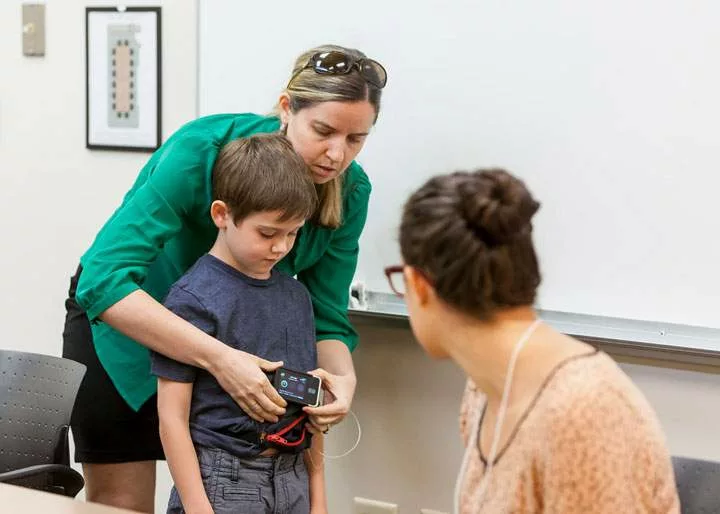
{"points": [[307, 88]]}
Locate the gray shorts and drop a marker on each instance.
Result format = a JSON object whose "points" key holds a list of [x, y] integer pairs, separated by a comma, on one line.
{"points": [[260, 485]]}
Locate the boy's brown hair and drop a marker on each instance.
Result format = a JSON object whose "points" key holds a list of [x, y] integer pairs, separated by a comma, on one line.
{"points": [[263, 173]]}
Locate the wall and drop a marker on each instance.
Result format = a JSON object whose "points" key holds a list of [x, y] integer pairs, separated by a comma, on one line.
{"points": [[54, 195]]}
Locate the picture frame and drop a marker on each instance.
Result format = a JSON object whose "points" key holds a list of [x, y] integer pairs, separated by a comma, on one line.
{"points": [[123, 83]]}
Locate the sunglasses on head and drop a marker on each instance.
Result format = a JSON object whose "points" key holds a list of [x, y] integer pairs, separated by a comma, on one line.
{"points": [[339, 63]]}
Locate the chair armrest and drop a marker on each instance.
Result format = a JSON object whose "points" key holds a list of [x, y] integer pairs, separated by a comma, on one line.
{"points": [[69, 481]]}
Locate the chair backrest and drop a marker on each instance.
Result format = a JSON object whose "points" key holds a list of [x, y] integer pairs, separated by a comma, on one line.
{"points": [[37, 394], [698, 483]]}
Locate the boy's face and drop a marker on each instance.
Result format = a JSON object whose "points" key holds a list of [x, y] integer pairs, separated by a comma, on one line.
{"points": [[256, 243]]}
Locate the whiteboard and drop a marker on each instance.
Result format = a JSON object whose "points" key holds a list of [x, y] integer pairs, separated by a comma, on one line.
{"points": [[610, 111]]}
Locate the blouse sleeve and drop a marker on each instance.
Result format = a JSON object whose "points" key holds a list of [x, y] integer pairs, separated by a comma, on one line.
{"points": [[178, 176], [605, 456]]}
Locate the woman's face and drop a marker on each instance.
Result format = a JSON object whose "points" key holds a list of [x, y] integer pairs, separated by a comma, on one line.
{"points": [[423, 313], [328, 135]]}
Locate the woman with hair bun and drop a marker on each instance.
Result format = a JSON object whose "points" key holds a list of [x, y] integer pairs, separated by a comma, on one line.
{"points": [[550, 424]]}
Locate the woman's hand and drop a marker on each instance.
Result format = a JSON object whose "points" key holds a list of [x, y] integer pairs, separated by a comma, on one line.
{"points": [[242, 376], [339, 392]]}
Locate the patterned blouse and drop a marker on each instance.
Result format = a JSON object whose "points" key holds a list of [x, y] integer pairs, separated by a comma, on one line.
{"points": [[588, 444]]}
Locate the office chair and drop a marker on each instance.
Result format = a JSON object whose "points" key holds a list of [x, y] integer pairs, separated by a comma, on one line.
{"points": [[698, 483], [37, 394]]}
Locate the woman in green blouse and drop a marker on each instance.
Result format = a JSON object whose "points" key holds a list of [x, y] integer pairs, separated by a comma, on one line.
{"points": [[329, 106]]}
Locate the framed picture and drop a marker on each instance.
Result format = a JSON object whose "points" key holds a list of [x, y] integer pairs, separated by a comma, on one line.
{"points": [[123, 79]]}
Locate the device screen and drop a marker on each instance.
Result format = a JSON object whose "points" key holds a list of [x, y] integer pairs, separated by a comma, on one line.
{"points": [[297, 387]]}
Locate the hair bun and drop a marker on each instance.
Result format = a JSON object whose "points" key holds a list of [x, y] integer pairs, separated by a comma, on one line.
{"points": [[496, 206]]}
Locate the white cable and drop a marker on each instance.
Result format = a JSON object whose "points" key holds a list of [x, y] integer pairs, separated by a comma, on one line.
{"points": [[357, 442], [473, 440]]}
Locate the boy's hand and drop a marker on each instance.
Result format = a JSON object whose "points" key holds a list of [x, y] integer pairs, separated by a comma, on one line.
{"points": [[199, 505], [339, 392], [242, 376], [207, 509]]}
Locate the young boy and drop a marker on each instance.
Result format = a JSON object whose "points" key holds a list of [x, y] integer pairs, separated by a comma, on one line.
{"points": [[219, 457]]}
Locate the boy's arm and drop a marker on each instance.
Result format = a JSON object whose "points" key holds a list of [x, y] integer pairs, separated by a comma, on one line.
{"points": [[316, 471], [174, 413]]}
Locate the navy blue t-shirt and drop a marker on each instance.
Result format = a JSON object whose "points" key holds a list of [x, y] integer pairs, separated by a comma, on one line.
{"points": [[270, 318]]}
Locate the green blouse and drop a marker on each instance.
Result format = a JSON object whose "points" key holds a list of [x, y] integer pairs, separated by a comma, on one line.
{"points": [[163, 226]]}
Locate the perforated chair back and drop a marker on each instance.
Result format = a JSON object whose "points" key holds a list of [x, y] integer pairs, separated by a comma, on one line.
{"points": [[37, 394], [698, 483]]}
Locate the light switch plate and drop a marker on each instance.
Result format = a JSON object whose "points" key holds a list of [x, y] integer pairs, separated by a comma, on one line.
{"points": [[33, 29]]}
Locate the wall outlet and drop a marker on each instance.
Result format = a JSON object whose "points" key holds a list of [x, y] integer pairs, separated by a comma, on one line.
{"points": [[366, 506]]}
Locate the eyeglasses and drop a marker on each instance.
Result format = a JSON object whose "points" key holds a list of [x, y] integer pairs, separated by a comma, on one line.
{"points": [[339, 63], [396, 278]]}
